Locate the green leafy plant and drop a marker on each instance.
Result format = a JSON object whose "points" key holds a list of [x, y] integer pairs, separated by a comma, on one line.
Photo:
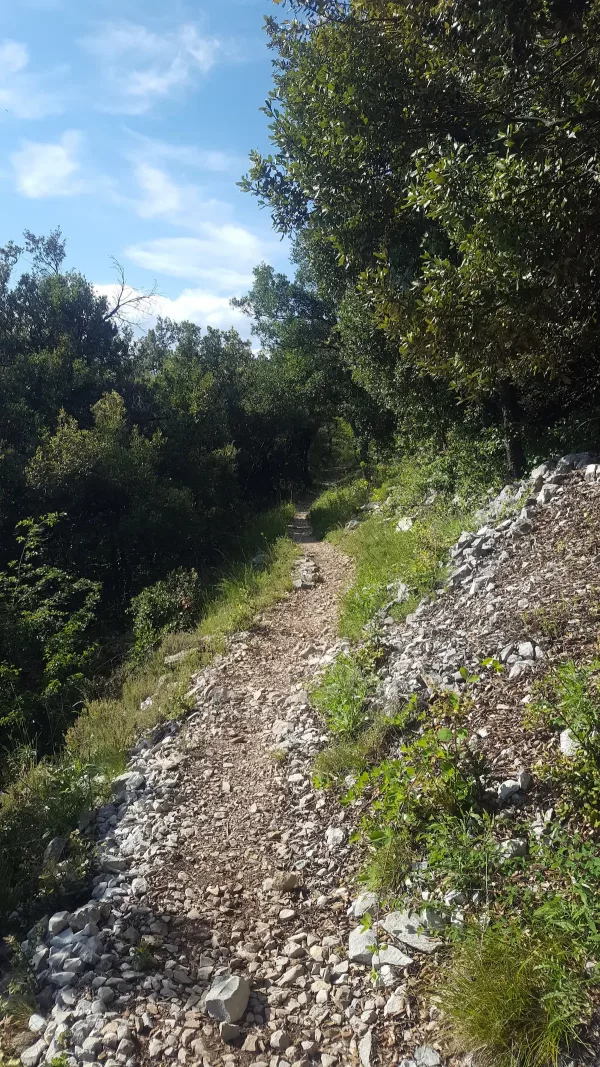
{"points": [[436, 774], [143, 956], [336, 506], [170, 605], [341, 695]]}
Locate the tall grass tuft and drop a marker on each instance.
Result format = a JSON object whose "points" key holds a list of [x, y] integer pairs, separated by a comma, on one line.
{"points": [[514, 998]]}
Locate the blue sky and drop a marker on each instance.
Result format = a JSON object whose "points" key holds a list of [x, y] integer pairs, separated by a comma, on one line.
{"points": [[128, 123]]}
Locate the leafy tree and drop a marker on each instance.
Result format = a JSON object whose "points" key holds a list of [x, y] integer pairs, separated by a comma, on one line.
{"points": [[46, 651], [448, 153]]}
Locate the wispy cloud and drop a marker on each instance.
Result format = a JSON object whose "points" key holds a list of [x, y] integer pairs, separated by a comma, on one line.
{"points": [[23, 94], [43, 170], [144, 66], [182, 204], [155, 152], [223, 255]]}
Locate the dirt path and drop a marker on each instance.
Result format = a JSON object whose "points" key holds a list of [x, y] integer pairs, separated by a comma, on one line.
{"points": [[220, 864], [253, 879]]}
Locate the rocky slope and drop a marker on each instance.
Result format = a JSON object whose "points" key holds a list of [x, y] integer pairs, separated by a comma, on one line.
{"points": [[223, 927]]}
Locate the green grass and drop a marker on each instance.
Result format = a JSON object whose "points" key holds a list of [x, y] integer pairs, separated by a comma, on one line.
{"points": [[351, 756], [437, 495], [382, 555], [336, 506], [341, 694], [45, 799], [514, 998]]}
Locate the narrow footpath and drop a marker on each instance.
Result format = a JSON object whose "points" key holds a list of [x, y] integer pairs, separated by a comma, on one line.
{"points": [[218, 930]]}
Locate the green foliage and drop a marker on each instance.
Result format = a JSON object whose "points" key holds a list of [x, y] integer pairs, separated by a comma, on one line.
{"points": [[43, 801], [435, 776], [441, 173], [570, 699], [516, 998], [550, 620], [341, 694], [383, 555], [143, 957], [462, 856], [353, 755], [334, 507], [560, 892], [167, 606], [46, 653]]}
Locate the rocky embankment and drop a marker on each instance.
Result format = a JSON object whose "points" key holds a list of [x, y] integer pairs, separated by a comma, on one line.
{"points": [[224, 923]]}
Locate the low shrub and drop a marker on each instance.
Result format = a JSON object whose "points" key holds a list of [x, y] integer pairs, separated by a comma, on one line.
{"points": [[569, 699], [341, 695], [434, 775], [516, 998], [167, 606], [44, 802]]}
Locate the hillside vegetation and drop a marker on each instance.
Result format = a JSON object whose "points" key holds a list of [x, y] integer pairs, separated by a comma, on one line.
{"points": [[436, 167]]}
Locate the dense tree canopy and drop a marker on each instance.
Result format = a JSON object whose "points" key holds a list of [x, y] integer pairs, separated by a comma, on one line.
{"points": [[447, 153]]}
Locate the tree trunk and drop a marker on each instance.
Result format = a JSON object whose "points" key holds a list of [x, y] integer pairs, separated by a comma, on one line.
{"points": [[512, 422]]}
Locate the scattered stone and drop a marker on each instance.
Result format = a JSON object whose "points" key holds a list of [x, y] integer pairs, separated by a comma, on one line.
{"points": [[404, 524], [569, 745], [58, 922], [426, 1056], [227, 998], [55, 849], [361, 945], [405, 927], [32, 1055], [230, 1032], [280, 1040], [334, 837], [37, 1023], [365, 1047], [363, 904]]}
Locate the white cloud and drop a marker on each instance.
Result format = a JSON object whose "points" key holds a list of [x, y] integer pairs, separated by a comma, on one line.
{"points": [[13, 56], [154, 152], [224, 254], [201, 306], [44, 170], [144, 66], [22, 94]]}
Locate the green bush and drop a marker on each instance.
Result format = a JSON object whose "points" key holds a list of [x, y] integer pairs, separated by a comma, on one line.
{"points": [[515, 998], [167, 606], [435, 775], [43, 802], [335, 507]]}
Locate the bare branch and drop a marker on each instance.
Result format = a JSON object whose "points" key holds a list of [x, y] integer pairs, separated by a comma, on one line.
{"points": [[128, 304]]}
